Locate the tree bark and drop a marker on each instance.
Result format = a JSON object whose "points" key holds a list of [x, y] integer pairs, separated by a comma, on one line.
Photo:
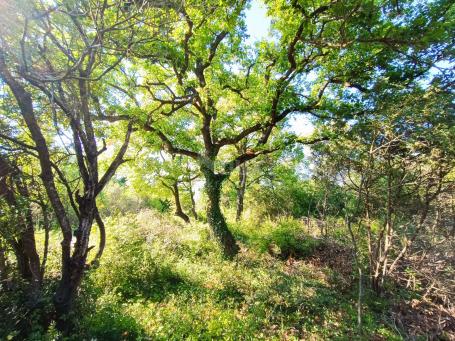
{"points": [[21, 259], [24, 247], [3, 265], [178, 206], [28, 261], [193, 202], [74, 269], [75, 105], [71, 266], [25, 103], [47, 227], [29, 244], [215, 218], [241, 190], [102, 243]]}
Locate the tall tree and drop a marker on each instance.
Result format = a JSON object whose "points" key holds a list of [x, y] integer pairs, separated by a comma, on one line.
{"points": [[54, 71], [211, 90]]}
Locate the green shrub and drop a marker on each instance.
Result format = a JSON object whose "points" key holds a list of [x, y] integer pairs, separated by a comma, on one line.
{"points": [[283, 238], [109, 322]]}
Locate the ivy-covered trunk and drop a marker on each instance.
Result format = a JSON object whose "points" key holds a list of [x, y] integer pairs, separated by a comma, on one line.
{"points": [[215, 218]]}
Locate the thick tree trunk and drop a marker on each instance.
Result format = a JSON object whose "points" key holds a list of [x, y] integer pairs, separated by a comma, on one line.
{"points": [[29, 249], [241, 190], [21, 259], [29, 244], [28, 260], [178, 206], [215, 218], [85, 148], [73, 270], [25, 103]]}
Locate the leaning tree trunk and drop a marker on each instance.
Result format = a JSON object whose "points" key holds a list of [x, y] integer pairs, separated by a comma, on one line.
{"points": [[102, 242], [241, 190], [178, 206], [85, 148], [25, 103], [215, 218]]}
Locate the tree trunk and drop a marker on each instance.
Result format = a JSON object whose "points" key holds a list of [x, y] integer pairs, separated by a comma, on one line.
{"points": [[47, 227], [3, 265], [29, 249], [102, 243], [28, 260], [85, 148], [29, 245], [193, 202], [241, 190], [359, 269], [215, 218], [21, 259], [178, 206], [25, 103], [73, 270]]}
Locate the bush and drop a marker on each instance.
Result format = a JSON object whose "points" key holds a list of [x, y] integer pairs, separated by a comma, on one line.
{"points": [[283, 238], [109, 322]]}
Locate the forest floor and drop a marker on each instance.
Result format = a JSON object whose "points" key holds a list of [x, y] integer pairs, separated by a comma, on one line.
{"points": [[162, 280]]}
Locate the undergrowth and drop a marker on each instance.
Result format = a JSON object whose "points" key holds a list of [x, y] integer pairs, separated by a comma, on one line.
{"points": [[161, 280]]}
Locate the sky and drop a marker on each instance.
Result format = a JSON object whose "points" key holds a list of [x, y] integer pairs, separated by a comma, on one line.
{"points": [[258, 24]]}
